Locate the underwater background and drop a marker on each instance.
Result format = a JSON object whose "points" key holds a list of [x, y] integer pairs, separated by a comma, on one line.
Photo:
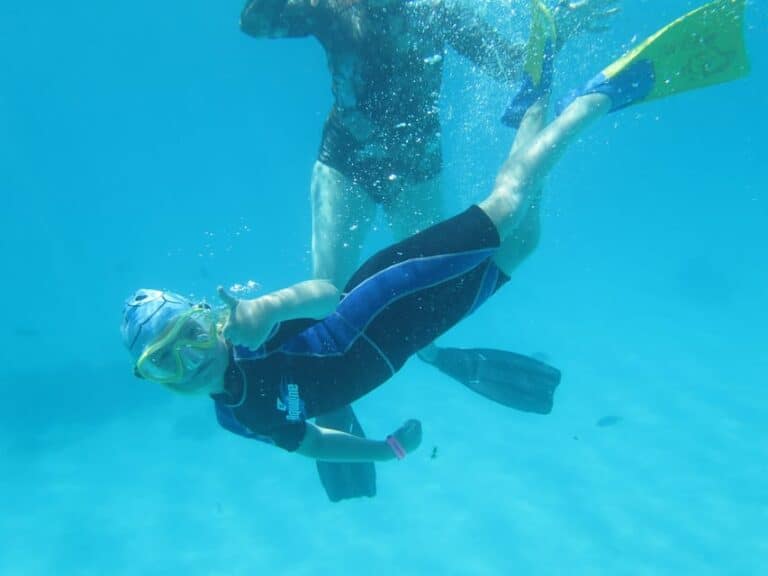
{"points": [[154, 145]]}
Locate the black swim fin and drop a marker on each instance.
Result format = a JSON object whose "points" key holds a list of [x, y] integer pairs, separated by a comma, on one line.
{"points": [[344, 480], [511, 379]]}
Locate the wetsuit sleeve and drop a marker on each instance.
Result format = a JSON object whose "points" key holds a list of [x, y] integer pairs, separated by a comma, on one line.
{"points": [[280, 18], [287, 330], [475, 39]]}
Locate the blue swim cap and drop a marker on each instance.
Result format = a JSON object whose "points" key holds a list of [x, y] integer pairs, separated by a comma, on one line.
{"points": [[145, 316]]}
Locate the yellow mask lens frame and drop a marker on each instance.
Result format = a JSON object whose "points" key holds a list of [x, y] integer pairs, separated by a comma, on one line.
{"points": [[163, 361]]}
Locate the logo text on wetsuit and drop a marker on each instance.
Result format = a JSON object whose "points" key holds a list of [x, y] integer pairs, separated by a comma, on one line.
{"points": [[291, 402]]}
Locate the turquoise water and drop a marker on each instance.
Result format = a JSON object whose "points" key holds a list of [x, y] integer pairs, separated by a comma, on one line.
{"points": [[152, 144]]}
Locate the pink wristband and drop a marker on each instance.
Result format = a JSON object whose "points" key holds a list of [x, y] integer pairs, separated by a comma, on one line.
{"points": [[397, 448]]}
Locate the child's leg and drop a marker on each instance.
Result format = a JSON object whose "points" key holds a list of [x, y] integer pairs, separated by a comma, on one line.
{"points": [[522, 173], [523, 241]]}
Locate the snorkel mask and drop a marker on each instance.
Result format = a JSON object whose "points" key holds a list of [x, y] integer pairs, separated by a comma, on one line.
{"points": [[168, 336]]}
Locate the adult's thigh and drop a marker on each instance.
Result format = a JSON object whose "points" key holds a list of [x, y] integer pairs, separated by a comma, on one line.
{"points": [[342, 215], [416, 207]]}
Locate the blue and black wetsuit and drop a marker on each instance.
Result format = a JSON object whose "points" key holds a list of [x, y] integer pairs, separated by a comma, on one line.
{"points": [[398, 302], [386, 64]]}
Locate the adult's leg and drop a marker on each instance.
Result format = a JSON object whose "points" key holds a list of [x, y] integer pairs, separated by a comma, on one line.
{"points": [[416, 207], [522, 172], [342, 216]]}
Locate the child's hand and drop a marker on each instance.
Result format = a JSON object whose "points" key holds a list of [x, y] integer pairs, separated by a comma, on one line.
{"points": [[249, 322], [409, 435]]}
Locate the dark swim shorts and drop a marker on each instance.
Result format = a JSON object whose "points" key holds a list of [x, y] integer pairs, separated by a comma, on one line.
{"points": [[402, 156]]}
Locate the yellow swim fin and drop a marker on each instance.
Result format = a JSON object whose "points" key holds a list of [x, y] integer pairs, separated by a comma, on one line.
{"points": [[541, 42], [702, 48]]}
